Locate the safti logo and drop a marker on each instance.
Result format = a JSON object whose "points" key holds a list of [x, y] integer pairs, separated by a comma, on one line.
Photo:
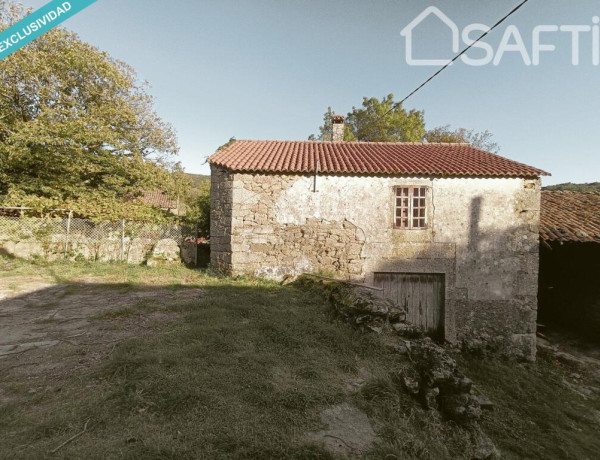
{"points": [[407, 32], [511, 42]]}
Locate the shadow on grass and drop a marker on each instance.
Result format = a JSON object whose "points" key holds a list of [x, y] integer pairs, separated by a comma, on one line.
{"points": [[241, 369], [538, 412]]}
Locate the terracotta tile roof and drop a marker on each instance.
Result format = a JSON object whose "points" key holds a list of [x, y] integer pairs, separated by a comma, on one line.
{"points": [[368, 158], [570, 216], [159, 199]]}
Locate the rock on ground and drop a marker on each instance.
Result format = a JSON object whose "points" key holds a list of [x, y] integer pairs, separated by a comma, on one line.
{"points": [[348, 430], [165, 252], [138, 250]]}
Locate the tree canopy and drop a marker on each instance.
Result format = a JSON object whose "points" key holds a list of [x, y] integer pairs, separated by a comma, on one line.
{"points": [[377, 121], [482, 140], [198, 200], [76, 126], [387, 121]]}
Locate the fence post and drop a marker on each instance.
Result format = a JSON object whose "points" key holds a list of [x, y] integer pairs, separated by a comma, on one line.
{"points": [[196, 245], [69, 216], [122, 240]]}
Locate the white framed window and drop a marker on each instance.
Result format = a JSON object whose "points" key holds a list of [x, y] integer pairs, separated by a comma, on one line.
{"points": [[410, 207]]}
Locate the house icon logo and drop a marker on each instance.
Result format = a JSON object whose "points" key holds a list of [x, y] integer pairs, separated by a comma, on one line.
{"points": [[407, 32]]}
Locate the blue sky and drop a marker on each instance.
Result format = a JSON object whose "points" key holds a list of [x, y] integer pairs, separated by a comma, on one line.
{"points": [[268, 69]]}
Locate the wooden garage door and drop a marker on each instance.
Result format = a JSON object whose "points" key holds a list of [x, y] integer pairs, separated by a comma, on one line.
{"points": [[421, 294]]}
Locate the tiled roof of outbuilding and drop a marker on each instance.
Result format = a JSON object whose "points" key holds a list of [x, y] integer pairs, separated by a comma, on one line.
{"points": [[570, 216], [443, 159], [159, 199]]}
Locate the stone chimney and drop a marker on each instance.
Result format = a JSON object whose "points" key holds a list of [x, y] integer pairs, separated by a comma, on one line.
{"points": [[337, 128]]}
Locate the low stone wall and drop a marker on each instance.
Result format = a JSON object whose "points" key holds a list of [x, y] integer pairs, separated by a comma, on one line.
{"points": [[428, 371], [360, 306], [137, 250], [135, 242]]}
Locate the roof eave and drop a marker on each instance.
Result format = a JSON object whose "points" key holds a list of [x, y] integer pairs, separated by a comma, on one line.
{"points": [[378, 173]]}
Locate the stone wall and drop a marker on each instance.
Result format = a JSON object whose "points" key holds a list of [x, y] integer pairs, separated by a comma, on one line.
{"points": [[49, 238], [137, 251], [221, 209], [482, 235]]}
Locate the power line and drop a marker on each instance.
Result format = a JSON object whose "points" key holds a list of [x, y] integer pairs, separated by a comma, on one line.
{"points": [[513, 11]]}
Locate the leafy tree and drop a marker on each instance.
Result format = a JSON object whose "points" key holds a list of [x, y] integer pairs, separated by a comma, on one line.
{"points": [[482, 140], [385, 121], [75, 125], [197, 199], [181, 183], [199, 207]]}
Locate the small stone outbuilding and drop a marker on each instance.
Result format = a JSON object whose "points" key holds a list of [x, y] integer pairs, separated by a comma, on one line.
{"points": [[569, 293], [447, 231]]}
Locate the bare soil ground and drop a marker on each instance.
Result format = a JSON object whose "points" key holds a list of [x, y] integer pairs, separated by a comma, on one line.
{"points": [[581, 355], [569, 342], [50, 330]]}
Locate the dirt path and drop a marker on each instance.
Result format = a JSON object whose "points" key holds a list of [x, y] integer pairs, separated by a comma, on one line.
{"points": [[580, 355], [50, 330]]}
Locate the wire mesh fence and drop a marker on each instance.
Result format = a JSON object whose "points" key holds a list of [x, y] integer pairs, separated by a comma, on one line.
{"points": [[60, 235]]}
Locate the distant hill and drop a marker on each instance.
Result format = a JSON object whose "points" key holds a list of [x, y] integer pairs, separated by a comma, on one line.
{"points": [[570, 187], [199, 187], [198, 179]]}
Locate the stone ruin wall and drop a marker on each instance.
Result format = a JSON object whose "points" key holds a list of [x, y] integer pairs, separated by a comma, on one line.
{"points": [[221, 188]]}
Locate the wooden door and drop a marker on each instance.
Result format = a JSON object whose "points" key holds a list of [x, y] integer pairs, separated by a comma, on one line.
{"points": [[420, 294]]}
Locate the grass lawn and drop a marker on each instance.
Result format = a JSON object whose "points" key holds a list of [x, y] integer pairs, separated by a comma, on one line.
{"points": [[244, 370]]}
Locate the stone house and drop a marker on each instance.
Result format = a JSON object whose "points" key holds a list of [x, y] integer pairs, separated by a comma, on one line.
{"points": [[448, 231]]}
